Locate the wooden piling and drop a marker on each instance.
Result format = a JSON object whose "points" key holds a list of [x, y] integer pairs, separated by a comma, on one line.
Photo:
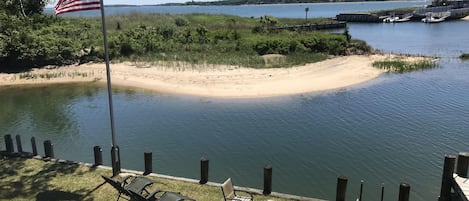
{"points": [[148, 157], [404, 191], [9, 144], [447, 177], [341, 188], [48, 149], [382, 191], [203, 170], [98, 155], [361, 191], [116, 164], [33, 145], [19, 146], [267, 180], [462, 165]]}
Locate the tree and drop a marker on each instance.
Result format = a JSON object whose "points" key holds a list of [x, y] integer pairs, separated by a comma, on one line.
{"points": [[22, 8]]}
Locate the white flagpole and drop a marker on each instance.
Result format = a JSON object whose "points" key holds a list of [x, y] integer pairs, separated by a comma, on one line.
{"points": [[114, 151]]}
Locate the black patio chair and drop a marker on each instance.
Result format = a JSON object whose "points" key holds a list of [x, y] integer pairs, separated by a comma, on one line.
{"points": [[134, 187]]}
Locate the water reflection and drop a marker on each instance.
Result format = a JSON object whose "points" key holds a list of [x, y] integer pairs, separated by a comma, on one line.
{"points": [[42, 110]]}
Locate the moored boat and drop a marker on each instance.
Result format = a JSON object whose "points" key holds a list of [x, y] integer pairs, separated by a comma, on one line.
{"points": [[435, 17]]}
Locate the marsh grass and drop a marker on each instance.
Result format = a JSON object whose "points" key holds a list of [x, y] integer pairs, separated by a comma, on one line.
{"points": [[32, 179], [48, 76], [202, 61], [401, 66]]}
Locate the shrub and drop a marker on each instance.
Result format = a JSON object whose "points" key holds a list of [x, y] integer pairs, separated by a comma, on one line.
{"points": [[181, 22], [464, 56]]}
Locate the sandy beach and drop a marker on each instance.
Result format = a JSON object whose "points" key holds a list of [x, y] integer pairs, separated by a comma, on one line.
{"points": [[214, 81]]}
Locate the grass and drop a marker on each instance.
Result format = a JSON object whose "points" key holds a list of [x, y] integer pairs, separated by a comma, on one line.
{"points": [[464, 56], [48, 76], [397, 10], [401, 66], [32, 179]]}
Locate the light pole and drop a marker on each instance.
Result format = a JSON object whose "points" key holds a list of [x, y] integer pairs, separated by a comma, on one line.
{"points": [[306, 11]]}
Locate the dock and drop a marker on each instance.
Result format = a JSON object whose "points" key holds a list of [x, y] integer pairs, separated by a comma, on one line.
{"points": [[461, 187], [359, 17], [455, 184]]}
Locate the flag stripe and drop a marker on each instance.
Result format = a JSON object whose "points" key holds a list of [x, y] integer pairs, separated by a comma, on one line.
{"points": [[65, 6]]}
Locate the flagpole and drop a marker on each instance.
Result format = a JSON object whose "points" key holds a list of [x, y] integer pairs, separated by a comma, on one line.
{"points": [[115, 156]]}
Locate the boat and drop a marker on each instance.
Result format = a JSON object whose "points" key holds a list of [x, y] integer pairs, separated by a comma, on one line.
{"points": [[404, 19], [393, 18], [390, 19], [435, 17]]}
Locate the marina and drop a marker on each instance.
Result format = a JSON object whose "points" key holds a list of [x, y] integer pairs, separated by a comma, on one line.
{"points": [[433, 13]]}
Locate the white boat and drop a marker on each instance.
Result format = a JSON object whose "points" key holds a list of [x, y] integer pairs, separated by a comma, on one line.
{"points": [[390, 19], [404, 19], [436, 17]]}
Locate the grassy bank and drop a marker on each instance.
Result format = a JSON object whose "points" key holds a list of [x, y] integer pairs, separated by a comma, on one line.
{"points": [[32, 179], [167, 39]]}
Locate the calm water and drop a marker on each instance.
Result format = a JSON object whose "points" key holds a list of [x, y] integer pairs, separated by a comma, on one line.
{"points": [[392, 129]]}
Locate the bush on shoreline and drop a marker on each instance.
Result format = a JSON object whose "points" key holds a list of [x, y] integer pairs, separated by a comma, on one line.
{"points": [[464, 56]]}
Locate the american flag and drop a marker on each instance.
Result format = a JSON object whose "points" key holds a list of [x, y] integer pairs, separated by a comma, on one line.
{"points": [[65, 6]]}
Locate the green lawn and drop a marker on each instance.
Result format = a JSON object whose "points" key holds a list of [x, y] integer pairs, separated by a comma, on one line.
{"points": [[33, 179]]}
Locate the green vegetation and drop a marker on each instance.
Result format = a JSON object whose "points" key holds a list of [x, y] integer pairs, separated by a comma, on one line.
{"points": [[401, 66], [31, 179], [29, 75], [39, 40], [464, 56], [396, 11]]}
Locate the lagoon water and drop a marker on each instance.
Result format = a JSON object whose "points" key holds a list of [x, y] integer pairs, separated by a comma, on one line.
{"points": [[392, 129]]}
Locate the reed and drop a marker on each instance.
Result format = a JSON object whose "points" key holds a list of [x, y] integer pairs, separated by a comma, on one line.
{"points": [[48, 76], [401, 66]]}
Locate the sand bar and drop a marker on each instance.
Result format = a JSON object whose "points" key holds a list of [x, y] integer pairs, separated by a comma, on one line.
{"points": [[219, 81]]}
